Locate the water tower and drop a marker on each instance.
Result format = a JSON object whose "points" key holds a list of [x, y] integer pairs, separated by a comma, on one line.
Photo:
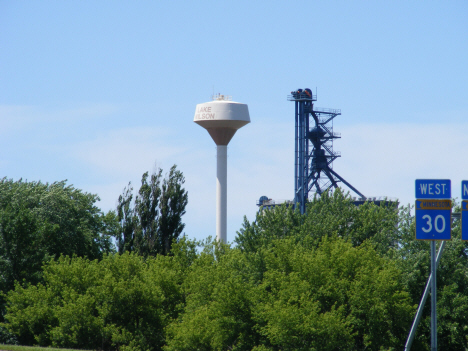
{"points": [[221, 117]]}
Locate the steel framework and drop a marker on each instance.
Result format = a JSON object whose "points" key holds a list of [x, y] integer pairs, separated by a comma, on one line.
{"points": [[314, 152]]}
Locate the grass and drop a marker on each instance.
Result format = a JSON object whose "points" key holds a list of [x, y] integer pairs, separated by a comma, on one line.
{"points": [[31, 348]]}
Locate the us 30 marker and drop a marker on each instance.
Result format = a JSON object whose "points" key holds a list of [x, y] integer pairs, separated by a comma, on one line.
{"points": [[433, 209]]}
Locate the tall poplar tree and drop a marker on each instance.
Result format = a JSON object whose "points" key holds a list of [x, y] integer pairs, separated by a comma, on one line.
{"points": [[150, 223], [173, 201]]}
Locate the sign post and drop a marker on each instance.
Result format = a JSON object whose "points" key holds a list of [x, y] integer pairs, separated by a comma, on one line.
{"points": [[464, 209], [433, 222]]}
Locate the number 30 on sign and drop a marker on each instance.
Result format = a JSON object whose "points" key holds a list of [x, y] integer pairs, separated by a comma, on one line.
{"points": [[433, 219]]}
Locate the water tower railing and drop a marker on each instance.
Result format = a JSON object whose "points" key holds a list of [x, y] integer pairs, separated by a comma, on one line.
{"points": [[221, 97]]}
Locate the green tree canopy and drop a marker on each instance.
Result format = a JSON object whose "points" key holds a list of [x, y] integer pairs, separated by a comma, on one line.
{"points": [[120, 302], [329, 297], [332, 214], [150, 224], [40, 220]]}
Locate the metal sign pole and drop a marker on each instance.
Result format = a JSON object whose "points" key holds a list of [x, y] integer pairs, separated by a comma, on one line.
{"points": [[433, 297], [419, 313]]}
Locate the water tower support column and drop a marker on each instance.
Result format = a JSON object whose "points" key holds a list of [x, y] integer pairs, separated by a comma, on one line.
{"points": [[221, 193]]}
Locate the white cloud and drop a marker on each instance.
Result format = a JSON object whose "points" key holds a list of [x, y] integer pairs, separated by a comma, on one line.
{"points": [[121, 153]]}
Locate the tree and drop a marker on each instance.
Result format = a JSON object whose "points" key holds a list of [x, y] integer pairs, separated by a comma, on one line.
{"points": [[40, 221], [333, 297], [125, 217], [121, 302], [173, 202], [150, 224], [332, 214], [147, 213], [218, 311], [328, 297]]}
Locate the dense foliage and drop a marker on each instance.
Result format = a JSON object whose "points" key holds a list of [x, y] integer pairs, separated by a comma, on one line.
{"points": [[122, 301], [150, 223], [327, 297], [42, 221], [338, 278]]}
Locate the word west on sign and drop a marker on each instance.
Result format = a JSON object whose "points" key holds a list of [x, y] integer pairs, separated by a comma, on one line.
{"points": [[433, 189], [433, 209], [464, 209]]}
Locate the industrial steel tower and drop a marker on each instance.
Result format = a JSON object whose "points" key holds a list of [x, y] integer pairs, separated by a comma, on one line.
{"points": [[314, 152]]}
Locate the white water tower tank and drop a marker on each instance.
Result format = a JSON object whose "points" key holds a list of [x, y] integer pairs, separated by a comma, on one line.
{"points": [[221, 118]]}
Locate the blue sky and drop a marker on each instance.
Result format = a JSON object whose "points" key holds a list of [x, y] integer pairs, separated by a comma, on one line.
{"points": [[98, 92]]}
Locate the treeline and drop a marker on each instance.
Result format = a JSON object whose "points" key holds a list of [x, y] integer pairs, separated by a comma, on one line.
{"points": [[41, 222], [339, 278]]}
